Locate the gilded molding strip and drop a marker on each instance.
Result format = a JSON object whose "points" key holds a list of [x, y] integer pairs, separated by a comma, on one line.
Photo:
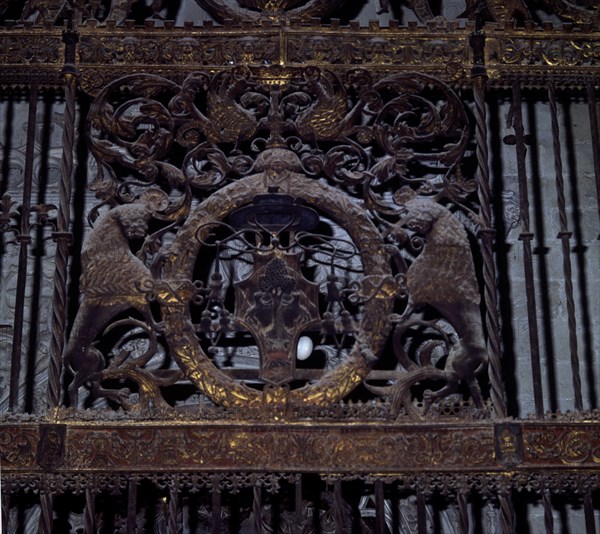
{"points": [[333, 448], [531, 55]]}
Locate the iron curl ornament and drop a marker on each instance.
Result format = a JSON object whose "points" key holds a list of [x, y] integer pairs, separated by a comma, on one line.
{"points": [[295, 204]]}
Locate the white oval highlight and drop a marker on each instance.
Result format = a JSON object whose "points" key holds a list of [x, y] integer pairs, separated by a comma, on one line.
{"points": [[304, 348]]}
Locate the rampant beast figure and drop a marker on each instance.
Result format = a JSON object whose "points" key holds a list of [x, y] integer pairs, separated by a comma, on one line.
{"points": [[113, 280], [443, 277]]}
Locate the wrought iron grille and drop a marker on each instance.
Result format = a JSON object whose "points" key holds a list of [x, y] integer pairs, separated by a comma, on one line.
{"points": [[288, 269]]}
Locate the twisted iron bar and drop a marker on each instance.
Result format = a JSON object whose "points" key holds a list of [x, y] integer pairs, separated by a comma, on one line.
{"points": [[487, 234], [463, 513], [588, 509], [565, 237], [548, 517], [525, 237], [595, 137], [89, 513], [479, 77], [257, 509], [5, 508], [47, 513], [216, 509], [173, 519], [62, 236], [132, 505], [507, 513]]}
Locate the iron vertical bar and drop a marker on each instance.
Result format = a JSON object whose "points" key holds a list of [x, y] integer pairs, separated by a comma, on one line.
{"points": [[595, 135], [421, 513], [62, 236], [380, 527], [24, 240], [507, 513], [132, 507], [339, 506], [47, 514], [173, 512], [565, 236], [215, 527], [588, 510], [463, 513], [257, 509], [487, 233], [548, 517], [298, 502], [397, 515], [5, 510], [525, 237], [89, 514]]}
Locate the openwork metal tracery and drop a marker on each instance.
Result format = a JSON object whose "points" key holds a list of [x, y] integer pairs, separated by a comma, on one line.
{"points": [[299, 274], [337, 234]]}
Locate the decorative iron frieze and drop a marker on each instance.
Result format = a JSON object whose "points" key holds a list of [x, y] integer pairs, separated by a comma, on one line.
{"points": [[489, 485], [107, 52], [35, 47], [569, 446], [336, 449], [558, 54], [19, 444], [341, 450]]}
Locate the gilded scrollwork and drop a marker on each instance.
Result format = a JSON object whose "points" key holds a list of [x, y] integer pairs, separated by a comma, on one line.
{"points": [[206, 448], [376, 49], [569, 446], [21, 49], [444, 57], [553, 53], [18, 447]]}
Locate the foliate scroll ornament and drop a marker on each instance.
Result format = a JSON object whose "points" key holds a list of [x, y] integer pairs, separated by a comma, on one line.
{"points": [[22, 49], [412, 127], [18, 446], [563, 51], [579, 447], [131, 132], [243, 272], [8, 214], [138, 120]]}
